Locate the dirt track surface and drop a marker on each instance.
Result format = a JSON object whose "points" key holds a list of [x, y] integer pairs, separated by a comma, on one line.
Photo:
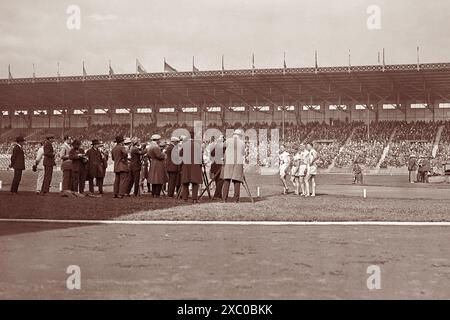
{"points": [[223, 262], [389, 199]]}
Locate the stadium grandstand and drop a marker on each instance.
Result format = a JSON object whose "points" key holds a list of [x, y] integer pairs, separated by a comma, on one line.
{"points": [[376, 115]]}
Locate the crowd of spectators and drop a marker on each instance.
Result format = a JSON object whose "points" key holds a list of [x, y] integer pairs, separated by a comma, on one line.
{"points": [[329, 140]]}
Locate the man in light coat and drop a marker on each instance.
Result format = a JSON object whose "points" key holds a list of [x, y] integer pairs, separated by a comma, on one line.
{"points": [[66, 165], [39, 168], [233, 169]]}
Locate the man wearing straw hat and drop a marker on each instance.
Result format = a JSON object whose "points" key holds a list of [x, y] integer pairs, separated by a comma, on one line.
{"points": [[233, 169]]}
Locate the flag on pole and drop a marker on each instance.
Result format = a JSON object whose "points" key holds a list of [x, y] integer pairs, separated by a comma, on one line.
{"points": [[57, 72], [316, 66], [9, 72], [418, 58], [284, 60], [168, 67], [111, 71], [140, 68], [349, 61], [223, 65], [194, 69], [84, 71], [34, 72], [253, 61], [384, 61]]}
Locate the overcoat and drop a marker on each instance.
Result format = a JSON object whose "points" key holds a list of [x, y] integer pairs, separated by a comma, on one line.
{"points": [[97, 163], [157, 172], [191, 170], [234, 159]]}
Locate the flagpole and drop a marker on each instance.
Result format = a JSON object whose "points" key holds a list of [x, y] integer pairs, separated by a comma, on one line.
{"points": [[223, 66], [315, 62], [418, 58], [349, 61]]}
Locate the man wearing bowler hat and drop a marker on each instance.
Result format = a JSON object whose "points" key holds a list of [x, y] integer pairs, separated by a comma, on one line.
{"points": [[97, 164], [17, 163], [49, 163], [120, 157]]}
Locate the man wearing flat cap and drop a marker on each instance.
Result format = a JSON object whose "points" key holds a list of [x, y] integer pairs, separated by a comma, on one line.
{"points": [[120, 157], [17, 163], [49, 163], [173, 169], [97, 164], [157, 173]]}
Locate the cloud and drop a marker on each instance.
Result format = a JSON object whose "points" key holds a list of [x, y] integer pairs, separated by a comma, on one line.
{"points": [[103, 17]]}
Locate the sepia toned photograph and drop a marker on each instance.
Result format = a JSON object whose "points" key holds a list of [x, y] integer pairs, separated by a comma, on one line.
{"points": [[212, 150]]}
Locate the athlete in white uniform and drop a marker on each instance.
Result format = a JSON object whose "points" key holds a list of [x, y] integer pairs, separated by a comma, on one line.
{"points": [[299, 169], [284, 159], [311, 170]]}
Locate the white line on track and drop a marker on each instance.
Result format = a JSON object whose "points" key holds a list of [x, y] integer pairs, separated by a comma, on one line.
{"points": [[239, 223]]}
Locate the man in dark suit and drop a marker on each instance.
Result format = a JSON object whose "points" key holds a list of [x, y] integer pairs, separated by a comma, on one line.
{"points": [[120, 157], [97, 164], [217, 151], [79, 162], [49, 163], [157, 173], [17, 163], [136, 154], [191, 170], [173, 169]]}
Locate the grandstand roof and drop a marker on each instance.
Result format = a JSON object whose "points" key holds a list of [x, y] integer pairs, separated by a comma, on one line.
{"points": [[259, 87]]}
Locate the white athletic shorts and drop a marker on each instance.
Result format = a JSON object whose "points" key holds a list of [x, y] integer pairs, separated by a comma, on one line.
{"points": [[302, 171], [283, 169]]}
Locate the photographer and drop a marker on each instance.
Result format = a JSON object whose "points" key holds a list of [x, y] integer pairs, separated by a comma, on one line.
{"points": [[79, 162]]}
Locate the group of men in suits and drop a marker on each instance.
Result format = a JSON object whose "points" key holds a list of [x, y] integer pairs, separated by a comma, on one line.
{"points": [[180, 165]]}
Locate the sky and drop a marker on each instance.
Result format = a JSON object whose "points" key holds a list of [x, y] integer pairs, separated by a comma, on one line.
{"points": [[35, 32]]}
